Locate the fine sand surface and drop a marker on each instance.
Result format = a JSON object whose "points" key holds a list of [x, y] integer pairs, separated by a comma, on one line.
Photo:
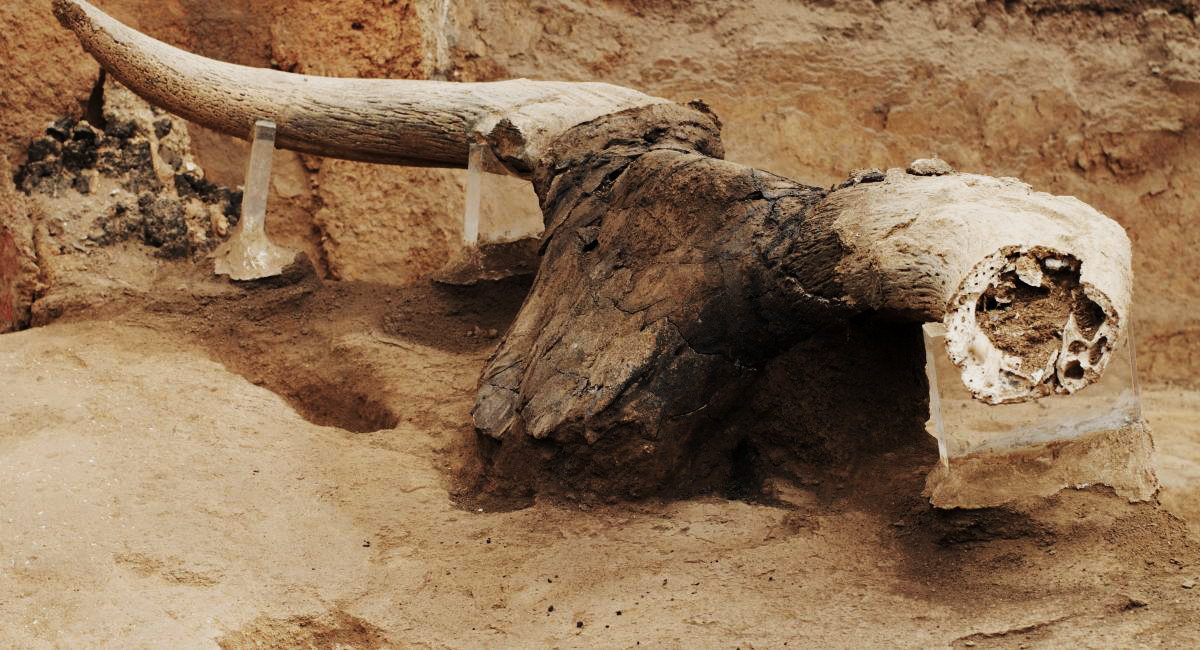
{"points": [[157, 493]]}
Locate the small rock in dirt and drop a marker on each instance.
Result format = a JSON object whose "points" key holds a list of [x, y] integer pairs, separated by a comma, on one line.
{"points": [[84, 132], [162, 127], [120, 222], [857, 176], [231, 204], [43, 148], [82, 184], [60, 129], [1127, 602], [188, 184], [930, 167], [79, 154], [120, 129], [164, 226], [1188, 584]]}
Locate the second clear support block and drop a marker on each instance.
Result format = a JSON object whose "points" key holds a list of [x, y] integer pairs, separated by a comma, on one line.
{"points": [[992, 454]]}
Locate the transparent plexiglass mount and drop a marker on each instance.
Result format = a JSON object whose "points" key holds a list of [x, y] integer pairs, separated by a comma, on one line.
{"points": [[500, 207], [249, 254], [502, 224], [991, 454]]}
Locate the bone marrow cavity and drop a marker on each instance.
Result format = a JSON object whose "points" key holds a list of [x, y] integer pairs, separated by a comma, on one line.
{"points": [[1023, 326]]}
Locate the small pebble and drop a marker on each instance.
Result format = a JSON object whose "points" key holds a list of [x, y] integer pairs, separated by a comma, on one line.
{"points": [[930, 167]]}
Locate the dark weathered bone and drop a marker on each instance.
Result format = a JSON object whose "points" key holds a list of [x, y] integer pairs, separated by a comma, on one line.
{"points": [[392, 121], [671, 279]]}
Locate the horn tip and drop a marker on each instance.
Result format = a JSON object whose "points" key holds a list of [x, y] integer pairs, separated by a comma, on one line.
{"points": [[68, 13]]}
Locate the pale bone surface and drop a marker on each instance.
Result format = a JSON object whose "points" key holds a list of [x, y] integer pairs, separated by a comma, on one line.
{"points": [[391, 121], [976, 252]]}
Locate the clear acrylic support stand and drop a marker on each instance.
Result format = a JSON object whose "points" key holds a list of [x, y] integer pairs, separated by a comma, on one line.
{"points": [[500, 207], [249, 254], [991, 454], [502, 223]]}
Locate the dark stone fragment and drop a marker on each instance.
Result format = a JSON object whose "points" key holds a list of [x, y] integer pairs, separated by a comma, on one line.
{"points": [[108, 161], [115, 224], [134, 159], [43, 148], [60, 129], [183, 185], [230, 202], [142, 181], [188, 185], [43, 176], [162, 127], [121, 130], [81, 184], [120, 223], [84, 132], [79, 154], [219, 196], [137, 156], [131, 222], [163, 224], [232, 207]]}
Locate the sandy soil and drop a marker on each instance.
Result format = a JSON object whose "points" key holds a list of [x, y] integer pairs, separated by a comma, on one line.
{"points": [[280, 466]]}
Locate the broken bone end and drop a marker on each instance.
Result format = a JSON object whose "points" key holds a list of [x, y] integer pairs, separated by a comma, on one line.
{"points": [[1023, 325]]}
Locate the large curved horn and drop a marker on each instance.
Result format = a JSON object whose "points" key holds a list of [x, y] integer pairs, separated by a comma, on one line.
{"points": [[391, 121]]}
